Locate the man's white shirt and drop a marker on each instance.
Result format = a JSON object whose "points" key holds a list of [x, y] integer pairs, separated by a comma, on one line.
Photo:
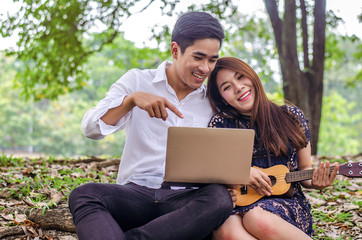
{"points": [[144, 153]]}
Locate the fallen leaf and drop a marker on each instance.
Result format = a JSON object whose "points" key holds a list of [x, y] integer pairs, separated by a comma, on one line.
{"points": [[5, 193], [350, 206], [20, 217], [67, 238], [28, 202], [8, 217]]}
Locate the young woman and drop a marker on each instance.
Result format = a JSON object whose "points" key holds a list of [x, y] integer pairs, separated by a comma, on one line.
{"points": [[282, 137]]}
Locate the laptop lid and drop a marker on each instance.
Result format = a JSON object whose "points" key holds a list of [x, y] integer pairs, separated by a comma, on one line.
{"points": [[208, 155]]}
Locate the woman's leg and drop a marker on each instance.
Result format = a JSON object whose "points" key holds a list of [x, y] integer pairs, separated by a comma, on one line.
{"points": [[266, 225], [232, 229]]}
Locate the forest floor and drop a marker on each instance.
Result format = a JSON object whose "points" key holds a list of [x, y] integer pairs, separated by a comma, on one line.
{"points": [[34, 192]]}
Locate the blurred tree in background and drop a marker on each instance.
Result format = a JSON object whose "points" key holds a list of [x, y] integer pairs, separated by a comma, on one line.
{"points": [[75, 48], [53, 127]]}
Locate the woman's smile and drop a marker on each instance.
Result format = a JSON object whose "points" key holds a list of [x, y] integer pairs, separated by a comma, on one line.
{"points": [[245, 96]]}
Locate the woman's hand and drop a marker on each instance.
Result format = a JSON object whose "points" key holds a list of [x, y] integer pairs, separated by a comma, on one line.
{"points": [[321, 176], [233, 195], [260, 182]]}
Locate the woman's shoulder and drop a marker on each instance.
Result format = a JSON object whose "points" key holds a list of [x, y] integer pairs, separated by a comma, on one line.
{"points": [[291, 108], [294, 111], [216, 121], [217, 117], [298, 115], [220, 122]]}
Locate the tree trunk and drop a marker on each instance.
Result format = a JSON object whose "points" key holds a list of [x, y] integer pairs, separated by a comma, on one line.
{"points": [[58, 218], [304, 88], [316, 86], [37, 222]]}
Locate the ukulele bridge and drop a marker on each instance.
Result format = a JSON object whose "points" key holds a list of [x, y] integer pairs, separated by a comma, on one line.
{"points": [[243, 190]]}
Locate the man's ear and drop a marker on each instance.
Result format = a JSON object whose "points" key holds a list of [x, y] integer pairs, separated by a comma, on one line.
{"points": [[175, 50]]}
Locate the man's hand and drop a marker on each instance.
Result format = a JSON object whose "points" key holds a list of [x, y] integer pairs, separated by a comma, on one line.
{"points": [[260, 182], [154, 105]]}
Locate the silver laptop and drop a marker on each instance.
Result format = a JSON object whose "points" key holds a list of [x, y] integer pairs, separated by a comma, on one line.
{"points": [[208, 155]]}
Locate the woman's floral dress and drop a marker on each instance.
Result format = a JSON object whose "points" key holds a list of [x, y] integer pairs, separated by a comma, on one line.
{"points": [[295, 210]]}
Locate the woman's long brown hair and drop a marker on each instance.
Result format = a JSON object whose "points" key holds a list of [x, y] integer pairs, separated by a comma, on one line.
{"points": [[274, 124]]}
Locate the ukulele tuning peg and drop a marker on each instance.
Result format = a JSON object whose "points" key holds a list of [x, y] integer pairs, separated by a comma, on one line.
{"points": [[351, 169]]}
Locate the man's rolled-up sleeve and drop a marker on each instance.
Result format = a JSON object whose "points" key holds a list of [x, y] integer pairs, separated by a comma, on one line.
{"points": [[92, 125]]}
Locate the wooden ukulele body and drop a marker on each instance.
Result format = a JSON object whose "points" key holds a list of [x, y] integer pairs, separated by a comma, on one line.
{"points": [[277, 176]]}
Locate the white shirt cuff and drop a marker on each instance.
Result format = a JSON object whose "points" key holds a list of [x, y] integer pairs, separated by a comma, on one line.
{"points": [[109, 129]]}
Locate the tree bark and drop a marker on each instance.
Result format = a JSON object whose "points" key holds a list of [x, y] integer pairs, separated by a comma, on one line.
{"points": [[316, 79], [10, 231], [58, 218], [304, 34], [304, 88]]}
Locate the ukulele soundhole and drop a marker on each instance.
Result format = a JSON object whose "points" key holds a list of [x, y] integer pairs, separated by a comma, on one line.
{"points": [[273, 180]]}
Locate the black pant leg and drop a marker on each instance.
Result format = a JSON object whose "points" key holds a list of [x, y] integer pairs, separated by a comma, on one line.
{"points": [[106, 211], [186, 214]]}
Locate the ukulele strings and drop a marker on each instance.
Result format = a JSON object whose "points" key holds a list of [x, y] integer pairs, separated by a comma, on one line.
{"points": [[297, 175]]}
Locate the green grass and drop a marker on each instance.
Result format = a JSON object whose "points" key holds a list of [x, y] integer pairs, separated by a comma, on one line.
{"points": [[23, 182], [30, 178], [11, 161]]}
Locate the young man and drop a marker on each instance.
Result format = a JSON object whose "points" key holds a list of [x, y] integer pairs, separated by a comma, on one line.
{"points": [[145, 103]]}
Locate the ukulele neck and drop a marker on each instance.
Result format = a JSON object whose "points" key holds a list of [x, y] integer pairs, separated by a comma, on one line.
{"points": [[302, 175]]}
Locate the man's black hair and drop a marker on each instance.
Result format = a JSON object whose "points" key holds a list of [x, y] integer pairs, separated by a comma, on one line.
{"points": [[193, 26]]}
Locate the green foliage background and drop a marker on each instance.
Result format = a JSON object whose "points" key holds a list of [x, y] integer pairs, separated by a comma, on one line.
{"points": [[53, 126]]}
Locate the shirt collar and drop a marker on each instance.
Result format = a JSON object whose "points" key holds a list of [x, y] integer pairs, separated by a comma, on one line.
{"points": [[161, 72], [203, 89], [161, 76]]}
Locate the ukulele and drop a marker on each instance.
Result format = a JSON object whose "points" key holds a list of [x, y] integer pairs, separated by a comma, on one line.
{"points": [[281, 180]]}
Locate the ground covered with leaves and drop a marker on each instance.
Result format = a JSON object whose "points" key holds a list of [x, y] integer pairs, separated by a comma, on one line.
{"points": [[34, 193]]}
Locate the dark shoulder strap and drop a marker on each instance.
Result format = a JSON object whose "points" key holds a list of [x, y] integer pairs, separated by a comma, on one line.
{"points": [[269, 159]]}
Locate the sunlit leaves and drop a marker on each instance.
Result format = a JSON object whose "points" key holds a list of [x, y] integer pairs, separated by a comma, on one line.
{"points": [[56, 39]]}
